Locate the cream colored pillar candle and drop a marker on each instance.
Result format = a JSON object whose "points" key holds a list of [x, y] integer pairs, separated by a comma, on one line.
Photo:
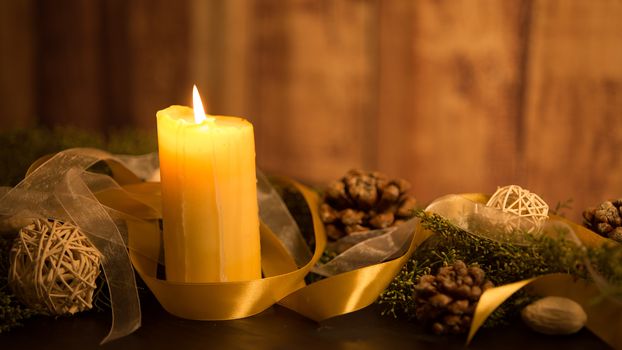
{"points": [[209, 196]]}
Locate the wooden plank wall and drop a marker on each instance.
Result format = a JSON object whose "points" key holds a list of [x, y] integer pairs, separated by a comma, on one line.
{"points": [[573, 107], [312, 100], [454, 128], [456, 96], [17, 60], [108, 64]]}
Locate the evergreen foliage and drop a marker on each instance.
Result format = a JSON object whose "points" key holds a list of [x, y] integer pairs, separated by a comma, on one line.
{"points": [[503, 263]]}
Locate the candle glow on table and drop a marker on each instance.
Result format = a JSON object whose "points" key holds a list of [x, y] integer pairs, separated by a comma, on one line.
{"points": [[209, 196]]}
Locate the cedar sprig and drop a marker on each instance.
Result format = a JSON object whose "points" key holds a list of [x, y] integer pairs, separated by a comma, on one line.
{"points": [[560, 207], [503, 263]]}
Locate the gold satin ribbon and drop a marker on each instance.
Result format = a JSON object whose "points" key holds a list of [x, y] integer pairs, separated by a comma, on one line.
{"points": [[139, 204], [348, 291], [604, 318], [283, 282], [353, 290], [226, 300]]}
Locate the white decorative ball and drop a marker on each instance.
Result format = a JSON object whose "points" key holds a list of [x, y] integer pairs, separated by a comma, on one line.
{"points": [[529, 209]]}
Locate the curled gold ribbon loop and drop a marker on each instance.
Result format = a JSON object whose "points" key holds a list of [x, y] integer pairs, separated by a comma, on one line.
{"points": [[283, 281], [58, 186], [350, 291], [138, 204], [228, 300], [603, 318]]}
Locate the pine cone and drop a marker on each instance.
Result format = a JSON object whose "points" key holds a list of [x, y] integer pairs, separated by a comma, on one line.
{"points": [[606, 219], [362, 201], [446, 301]]}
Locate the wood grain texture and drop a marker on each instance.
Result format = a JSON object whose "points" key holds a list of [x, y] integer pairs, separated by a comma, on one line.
{"points": [[158, 33], [573, 118], [455, 96], [456, 128], [396, 115], [118, 78], [312, 69], [68, 68], [111, 64], [17, 62]]}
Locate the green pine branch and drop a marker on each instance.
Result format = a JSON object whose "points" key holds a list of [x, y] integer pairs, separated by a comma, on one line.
{"points": [[503, 263]]}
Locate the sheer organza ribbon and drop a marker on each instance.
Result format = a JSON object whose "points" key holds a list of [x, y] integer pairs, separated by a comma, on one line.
{"points": [[120, 215], [604, 313]]}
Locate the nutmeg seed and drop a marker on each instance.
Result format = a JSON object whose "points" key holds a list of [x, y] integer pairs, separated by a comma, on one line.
{"points": [[554, 315]]}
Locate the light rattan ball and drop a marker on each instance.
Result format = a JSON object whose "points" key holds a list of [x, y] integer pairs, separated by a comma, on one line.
{"points": [[531, 211], [54, 267]]}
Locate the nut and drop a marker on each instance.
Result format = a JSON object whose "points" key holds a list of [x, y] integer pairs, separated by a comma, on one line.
{"points": [[554, 315]]}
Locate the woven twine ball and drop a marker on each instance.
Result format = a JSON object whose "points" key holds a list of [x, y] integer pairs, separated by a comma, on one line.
{"points": [[530, 210], [54, 267]]}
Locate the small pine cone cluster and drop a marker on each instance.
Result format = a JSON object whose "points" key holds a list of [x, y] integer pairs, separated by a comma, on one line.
{"points": [[446, 301], [606, 219], [362, 201]]}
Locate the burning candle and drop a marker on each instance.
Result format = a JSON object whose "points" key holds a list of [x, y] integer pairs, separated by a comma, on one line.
{"points": [[209, 196]]}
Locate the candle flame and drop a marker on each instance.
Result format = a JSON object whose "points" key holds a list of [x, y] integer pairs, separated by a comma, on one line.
{"points": [[199, 112]]}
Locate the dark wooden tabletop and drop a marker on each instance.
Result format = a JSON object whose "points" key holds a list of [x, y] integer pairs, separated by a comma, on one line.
{"points": [[275, 328]]}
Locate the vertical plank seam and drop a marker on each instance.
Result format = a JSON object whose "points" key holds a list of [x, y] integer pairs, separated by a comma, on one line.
{"points": [[372, 116], [523, 69], [38, 63]]}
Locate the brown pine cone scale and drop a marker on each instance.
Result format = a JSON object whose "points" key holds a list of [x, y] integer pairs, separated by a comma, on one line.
{"points": [[446, 301], [362, 201], [606, 219]]}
